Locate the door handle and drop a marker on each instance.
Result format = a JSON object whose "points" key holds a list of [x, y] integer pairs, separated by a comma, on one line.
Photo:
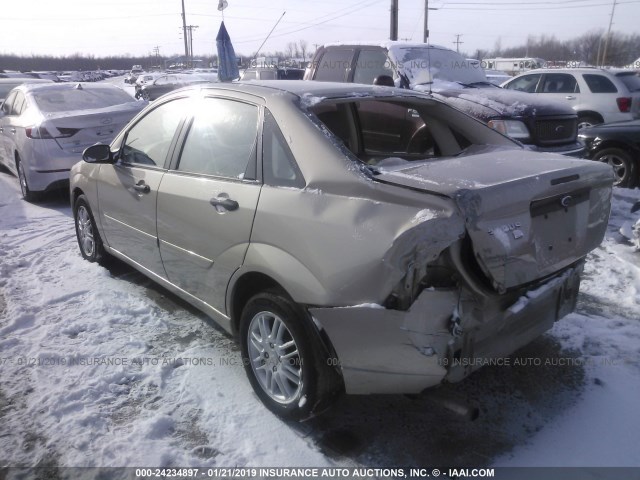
{"points": [[142, 187], [570, 97], [1, 129], [13, 130], [224, 202]]}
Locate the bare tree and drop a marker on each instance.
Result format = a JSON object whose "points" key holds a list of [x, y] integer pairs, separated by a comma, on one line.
{"points": [[303, 49]]}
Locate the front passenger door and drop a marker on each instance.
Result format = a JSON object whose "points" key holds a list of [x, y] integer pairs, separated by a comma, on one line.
{"points": [[127, 190]]}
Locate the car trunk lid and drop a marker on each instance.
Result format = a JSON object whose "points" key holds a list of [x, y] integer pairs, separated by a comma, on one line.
{"points": [[76, 130], [528, 215]]}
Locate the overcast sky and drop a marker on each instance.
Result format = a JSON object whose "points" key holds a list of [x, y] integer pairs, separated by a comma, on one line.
{"points": [[113, 27]]}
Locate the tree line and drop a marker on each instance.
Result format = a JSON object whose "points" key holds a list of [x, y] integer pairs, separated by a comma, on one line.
{"points": [[622, 49]]}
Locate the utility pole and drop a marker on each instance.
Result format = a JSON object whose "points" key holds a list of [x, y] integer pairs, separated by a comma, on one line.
{"points": [[393, 34], [190, 29], [156, 50], [458, 42], [606, 40], [426, 21], [184, 33]]}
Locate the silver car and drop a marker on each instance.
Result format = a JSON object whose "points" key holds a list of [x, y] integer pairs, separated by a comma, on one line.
{"points": [[354, 238], [44, 129]]}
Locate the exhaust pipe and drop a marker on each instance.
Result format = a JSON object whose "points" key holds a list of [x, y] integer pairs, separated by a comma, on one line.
{"points": [[466, 411]]}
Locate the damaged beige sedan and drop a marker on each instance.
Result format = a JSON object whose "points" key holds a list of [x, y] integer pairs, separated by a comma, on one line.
{"points": [[354, 238]]}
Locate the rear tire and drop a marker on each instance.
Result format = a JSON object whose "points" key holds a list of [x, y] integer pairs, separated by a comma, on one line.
{"points": [[623, 165], [283, 358], [27, 193], [89, 240]]}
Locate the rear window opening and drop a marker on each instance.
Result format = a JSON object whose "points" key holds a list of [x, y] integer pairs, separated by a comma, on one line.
{"points": [[389, 133]]}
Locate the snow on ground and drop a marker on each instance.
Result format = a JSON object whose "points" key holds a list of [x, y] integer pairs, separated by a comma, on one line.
{"points": [[100, 367]]}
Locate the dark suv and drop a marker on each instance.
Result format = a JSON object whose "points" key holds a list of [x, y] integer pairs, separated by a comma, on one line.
{"points": [[543, 125]]}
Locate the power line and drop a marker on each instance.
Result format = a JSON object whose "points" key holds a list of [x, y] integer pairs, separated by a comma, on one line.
{"points": [[351, 9], [525, 7]]}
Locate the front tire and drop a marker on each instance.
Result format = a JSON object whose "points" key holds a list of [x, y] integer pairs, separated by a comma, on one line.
{"points": [[284, 359], [622, 163], [89, 240], [586, 121]]}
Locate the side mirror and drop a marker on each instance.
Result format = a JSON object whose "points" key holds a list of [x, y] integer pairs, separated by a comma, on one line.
{"points": [[384, 81], [98, 154]]}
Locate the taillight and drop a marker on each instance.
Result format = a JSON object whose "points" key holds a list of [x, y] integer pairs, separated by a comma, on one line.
{"points": [[42, 133], [38, 132], [624, 104]]}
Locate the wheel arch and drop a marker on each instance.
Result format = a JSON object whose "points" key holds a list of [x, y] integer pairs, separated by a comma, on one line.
{"points": [[590, 113], [606, 143], [245, 287]]}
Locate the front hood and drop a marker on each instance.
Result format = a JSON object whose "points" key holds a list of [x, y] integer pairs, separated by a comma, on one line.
{"points": [[527, 214], [629, 127], [494, 102]]}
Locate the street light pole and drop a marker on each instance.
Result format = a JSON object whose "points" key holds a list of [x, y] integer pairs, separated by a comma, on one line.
{"points": [[393, 33], [606, 40], [426, 21], [184, 33]]}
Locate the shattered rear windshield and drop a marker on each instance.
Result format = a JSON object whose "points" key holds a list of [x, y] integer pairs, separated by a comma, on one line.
{"points": [[381, 132], [51, 101]]}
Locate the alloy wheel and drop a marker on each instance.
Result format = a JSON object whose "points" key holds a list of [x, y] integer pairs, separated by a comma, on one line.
{"points": [[85, 231], [274, 356]]}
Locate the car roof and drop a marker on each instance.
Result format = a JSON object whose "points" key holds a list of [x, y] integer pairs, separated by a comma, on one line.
{"points": [[52, 86], [309, 88], [569, 70], [20, 80], [386, 44]]}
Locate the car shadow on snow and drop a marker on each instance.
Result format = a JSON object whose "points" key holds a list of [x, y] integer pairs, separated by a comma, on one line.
{"points": [[514, 402], [57, 200]]}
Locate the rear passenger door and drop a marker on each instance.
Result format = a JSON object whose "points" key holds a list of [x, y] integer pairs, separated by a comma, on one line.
{"points": [[207, 200]]}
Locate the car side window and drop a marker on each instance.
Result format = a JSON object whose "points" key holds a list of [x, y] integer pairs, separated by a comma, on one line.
{"points": [[18, 104], [161, 81], [370, 65], [148, 141], [8, 103], [334, 65], [525, 83], [559, 83], [279, 166], [222, 139], [599, 83], [250, 75]]}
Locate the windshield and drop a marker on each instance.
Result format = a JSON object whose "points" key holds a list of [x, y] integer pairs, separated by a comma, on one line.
{"points": [[423, 65], [51, 101]]}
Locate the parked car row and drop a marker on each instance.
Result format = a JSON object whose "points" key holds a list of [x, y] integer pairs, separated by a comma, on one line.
{"points": [[156, 86]]}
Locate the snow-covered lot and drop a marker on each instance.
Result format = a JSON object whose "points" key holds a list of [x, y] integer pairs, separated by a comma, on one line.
{"points": [[100, 367]]}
